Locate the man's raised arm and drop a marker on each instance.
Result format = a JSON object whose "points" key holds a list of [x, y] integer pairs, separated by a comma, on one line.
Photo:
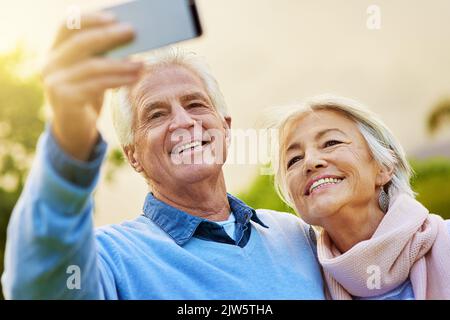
{"points": [[51, 251]]}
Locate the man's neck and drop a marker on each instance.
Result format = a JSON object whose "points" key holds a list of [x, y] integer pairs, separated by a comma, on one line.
{"points": [[205, 199], [350, 226]]}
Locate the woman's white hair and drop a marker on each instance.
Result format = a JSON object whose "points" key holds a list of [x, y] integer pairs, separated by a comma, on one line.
{"points": [[384, 147], [122, 107]]}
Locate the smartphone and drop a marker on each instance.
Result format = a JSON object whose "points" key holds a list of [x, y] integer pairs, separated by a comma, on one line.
{"points": [[157, 23]]}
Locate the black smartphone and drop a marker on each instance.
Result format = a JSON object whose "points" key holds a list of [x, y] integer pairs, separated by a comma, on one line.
{"points": [[157, 23]]}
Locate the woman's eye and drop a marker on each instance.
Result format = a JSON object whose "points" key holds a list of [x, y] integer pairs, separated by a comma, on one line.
{"points": [[331, 143], [293, 161]]}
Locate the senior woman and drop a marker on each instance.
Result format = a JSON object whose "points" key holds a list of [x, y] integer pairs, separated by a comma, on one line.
{"points": [[342, 170]]}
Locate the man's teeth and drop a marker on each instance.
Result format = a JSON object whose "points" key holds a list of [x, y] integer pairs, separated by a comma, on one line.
{"points": [[323, 182], [187, 146]]}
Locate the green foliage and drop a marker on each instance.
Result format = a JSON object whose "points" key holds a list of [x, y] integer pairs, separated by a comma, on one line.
{"points": [[431, 182], [21, 99], [261, 194], [115, 161]]}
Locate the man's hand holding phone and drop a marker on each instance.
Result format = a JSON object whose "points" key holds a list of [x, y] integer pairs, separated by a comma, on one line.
{"points": [[82, 64], [76, 78]]}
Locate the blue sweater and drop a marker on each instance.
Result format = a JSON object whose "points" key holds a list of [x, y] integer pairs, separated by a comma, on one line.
{"points": [[53, 251]]}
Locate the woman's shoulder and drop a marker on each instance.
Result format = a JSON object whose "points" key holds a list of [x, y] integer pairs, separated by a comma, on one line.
{"points": [[289, 223], [279, 218], [447, 222]]}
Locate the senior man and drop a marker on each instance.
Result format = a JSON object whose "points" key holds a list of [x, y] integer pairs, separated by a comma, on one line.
{"points": [[193, 240]]}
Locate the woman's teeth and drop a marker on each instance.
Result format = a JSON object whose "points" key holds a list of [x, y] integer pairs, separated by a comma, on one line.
{"points": [[322, 182]]}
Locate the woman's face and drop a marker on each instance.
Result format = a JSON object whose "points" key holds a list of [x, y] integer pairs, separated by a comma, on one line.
{"points": [[328, 166]]}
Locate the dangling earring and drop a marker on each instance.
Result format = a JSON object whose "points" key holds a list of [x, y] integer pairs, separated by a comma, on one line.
{"points": [[383, 200]]}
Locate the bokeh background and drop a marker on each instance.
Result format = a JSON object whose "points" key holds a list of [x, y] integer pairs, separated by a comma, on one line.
{"points": [[263, 53]]}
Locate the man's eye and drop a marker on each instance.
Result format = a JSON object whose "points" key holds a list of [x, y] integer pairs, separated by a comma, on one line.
{"points": [[293, 161], [156, 115], [331, 143], [195, 105]]}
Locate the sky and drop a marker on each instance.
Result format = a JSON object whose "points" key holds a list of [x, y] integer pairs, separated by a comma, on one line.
{"points": [[275, 52]]}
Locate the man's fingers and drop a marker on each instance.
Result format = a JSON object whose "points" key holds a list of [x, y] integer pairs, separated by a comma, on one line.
{"points": [[91, 88], [95, 67], [87, 20], [88, 43]]}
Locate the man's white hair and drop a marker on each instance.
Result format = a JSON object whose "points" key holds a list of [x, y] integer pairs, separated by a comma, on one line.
{"points": [[122, 107], [384, 147]]}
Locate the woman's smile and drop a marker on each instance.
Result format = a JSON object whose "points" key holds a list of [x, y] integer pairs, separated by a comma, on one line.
{"points": [[320, 182]]}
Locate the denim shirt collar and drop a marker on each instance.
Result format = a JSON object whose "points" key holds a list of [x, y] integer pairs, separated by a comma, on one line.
{"points": [[182, 226]]}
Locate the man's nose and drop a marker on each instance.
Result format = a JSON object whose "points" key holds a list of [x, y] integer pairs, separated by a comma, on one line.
{"points": [[313, 161], [181, 119]]}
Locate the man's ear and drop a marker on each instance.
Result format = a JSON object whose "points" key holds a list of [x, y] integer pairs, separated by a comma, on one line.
{"points": [[227, 127], [131, 155], [384, 175]]}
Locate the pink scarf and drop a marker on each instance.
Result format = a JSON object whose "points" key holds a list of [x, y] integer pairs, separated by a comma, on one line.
{"points": [[409, 242]]}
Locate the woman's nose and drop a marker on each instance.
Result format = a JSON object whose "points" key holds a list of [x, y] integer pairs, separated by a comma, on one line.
{"points": [[313, 161]]}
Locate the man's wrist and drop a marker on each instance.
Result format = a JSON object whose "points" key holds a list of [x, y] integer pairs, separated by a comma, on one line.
{"points": [[76, 171], [79, 148]]}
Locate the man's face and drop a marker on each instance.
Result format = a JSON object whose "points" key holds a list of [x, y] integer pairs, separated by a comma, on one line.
{"points": [[180, 138]]}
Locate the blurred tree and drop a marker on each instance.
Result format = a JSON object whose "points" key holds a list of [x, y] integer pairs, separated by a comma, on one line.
{"points": [[432, 184], [439, 114], [262, 195], [21, 123], [115, 160]]}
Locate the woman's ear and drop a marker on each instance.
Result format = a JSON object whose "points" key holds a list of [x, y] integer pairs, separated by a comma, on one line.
{"points": [[384, 175], [131, 155]]}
